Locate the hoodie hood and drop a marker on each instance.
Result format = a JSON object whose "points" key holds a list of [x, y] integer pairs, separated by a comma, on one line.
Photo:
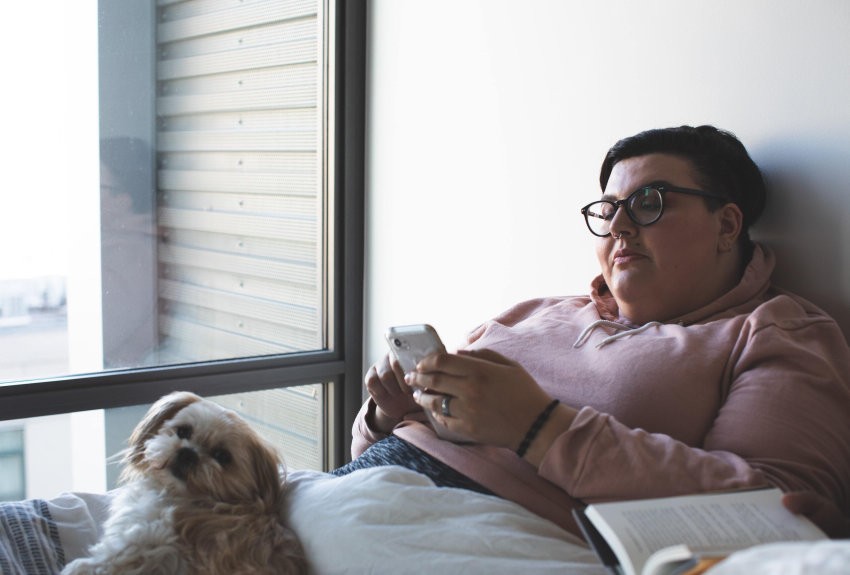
{"points": [[754, 282]]}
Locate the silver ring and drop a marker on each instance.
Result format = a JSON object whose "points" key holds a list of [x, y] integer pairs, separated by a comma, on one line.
{"points": [[444, 406]]}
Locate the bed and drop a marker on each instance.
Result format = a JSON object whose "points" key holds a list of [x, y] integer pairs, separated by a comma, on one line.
{"points": [[382, 520]]}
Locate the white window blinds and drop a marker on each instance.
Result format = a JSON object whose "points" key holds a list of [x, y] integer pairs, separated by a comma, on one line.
{"points": [[240, 203], [239, 154]]}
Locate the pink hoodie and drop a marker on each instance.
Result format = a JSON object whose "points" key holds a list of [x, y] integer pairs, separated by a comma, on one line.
{"points": [[751, 390]]}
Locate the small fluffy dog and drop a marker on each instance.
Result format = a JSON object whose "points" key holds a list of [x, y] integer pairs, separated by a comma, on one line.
{"points": [[201, 494]]}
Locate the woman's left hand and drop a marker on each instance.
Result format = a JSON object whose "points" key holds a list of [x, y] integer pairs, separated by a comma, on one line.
{"points": [[493, 400]]}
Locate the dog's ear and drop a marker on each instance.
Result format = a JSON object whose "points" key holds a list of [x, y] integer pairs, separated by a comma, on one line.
{"points": [[164, 409], [267, 468]]}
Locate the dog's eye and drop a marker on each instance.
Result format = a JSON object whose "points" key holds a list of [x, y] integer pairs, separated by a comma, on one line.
{"points": [[222, 456], [184, 431]]}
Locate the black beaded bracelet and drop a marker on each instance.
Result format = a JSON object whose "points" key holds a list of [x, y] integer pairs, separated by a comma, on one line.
{"points": [[536, 427]]}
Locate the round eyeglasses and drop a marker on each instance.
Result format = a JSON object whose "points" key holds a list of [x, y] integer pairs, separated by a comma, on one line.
{"points": [[644, 207]]}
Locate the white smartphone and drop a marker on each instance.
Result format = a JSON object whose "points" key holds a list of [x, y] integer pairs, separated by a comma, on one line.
{"points": [[409, 344]]}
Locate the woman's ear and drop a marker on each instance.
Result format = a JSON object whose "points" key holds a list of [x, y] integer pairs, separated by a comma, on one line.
{"points": [[731, 221]]}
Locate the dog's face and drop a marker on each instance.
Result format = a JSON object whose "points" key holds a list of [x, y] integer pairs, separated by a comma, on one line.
{"points": [[192, 446]]}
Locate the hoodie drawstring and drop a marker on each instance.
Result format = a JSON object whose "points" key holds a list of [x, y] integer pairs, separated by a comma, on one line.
{"points": [[622, 330]]}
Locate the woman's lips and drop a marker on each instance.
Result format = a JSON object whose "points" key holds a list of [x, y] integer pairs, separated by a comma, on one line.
{"points": [[624, 256]]}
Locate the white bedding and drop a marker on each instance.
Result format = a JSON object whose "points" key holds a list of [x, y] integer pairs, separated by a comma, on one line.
{"points": [[391, 520], [379, 520], [818, 558]]}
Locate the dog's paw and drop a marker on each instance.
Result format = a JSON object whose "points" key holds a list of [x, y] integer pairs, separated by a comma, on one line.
{"points": [[161, 562]]}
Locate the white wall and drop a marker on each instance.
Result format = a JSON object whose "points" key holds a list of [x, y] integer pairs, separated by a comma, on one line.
{"points": [[488, 120], [64, 453]]}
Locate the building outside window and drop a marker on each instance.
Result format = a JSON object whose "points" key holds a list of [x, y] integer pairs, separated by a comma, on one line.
{"points": [[201, 232], [12, 476]]}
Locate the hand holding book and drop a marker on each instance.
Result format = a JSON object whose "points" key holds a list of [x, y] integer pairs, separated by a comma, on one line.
{"points": [[671, 535], [820, 511]]}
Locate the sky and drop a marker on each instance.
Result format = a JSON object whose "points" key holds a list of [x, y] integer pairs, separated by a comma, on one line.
{"points": [[47, 76]]}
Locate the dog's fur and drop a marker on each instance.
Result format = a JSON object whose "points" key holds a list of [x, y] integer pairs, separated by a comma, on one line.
{"points": [[202, 494]]}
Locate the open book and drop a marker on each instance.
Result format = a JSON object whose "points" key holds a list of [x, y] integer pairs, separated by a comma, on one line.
{"points": [[675, 535]]}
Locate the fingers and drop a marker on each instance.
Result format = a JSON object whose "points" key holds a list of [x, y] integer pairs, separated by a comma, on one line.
{"points": [[385, 383], [441, 406], [444, 372], [399, 374], [462, 362], [820, 510], [800, 502], [491, 399], [384, 378]]}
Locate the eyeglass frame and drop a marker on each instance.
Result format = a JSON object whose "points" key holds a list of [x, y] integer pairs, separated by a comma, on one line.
{"points": [[661, 187]]}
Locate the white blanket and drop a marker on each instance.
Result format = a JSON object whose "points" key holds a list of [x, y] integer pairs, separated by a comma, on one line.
{"points": [[379, 520], [391, 520]]}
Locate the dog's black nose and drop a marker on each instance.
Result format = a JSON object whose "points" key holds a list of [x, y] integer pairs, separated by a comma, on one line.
{"points": [[185, 459]]}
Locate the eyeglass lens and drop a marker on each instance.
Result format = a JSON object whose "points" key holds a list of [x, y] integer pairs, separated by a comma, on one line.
{"points": [[643, 206]]}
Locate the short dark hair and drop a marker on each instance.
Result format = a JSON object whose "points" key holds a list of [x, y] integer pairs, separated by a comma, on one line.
{"points": [[722, 163]]}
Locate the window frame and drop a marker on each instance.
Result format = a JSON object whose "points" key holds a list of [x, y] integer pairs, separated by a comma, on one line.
{"points": [[341, 366]]}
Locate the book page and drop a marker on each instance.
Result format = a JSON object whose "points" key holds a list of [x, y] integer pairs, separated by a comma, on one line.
{"points": [[717, 523]]}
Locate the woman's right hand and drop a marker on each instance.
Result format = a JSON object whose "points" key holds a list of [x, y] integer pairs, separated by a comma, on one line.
{"points": [[393, 398], [821, 511]]}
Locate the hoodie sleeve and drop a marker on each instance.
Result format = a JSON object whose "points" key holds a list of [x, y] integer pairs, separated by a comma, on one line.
{"points": [[600, 459], [784, 421], [788, 409], [362, 435]]}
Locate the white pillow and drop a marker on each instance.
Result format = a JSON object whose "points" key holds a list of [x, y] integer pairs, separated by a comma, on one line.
{"points": [[392, 520], [798, 558]]}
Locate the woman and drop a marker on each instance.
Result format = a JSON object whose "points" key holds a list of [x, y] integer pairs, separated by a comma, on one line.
{"points": [[683, 371]]}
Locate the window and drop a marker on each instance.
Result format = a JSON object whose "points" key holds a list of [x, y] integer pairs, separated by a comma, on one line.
{"points": [[213, 224], [12, 464]]}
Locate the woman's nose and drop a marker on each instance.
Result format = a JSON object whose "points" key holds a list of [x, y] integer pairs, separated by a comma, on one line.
{"points": [[622, 224]]}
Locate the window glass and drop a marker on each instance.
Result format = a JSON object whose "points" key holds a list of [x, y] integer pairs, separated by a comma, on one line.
{"points": [[191, 227], [170, 210], [82, 451], [12, 478]]}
